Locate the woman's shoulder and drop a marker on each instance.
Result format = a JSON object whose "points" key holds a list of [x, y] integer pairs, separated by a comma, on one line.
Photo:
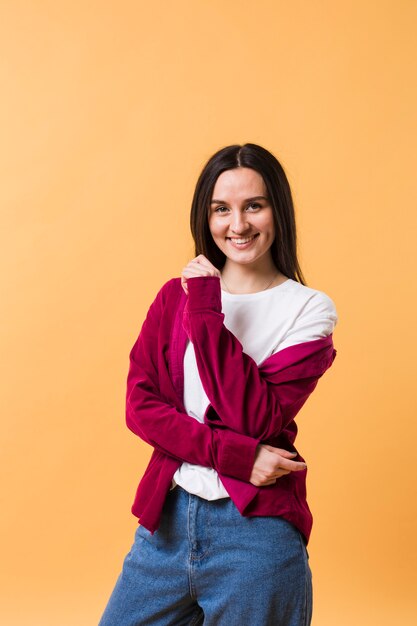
{"points": [[315, 302]]}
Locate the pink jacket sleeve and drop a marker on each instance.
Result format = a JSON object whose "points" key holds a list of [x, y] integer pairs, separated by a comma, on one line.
{"points": [[166, 428], [247, 400]]}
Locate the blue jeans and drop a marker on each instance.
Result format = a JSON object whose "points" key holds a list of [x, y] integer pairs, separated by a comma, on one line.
{"points": [[207, 564]]}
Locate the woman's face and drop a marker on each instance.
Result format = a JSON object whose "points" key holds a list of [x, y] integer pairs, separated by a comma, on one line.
{"points": [[240, 217]]}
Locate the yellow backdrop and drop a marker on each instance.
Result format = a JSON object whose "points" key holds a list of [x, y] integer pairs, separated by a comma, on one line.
{"points": [[108, 111]]}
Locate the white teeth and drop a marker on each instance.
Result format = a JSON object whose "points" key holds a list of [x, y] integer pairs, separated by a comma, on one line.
{"points": [[242, 240]]}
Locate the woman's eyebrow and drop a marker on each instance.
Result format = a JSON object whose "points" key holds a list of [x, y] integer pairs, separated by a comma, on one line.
{"points": [[247, 200]]}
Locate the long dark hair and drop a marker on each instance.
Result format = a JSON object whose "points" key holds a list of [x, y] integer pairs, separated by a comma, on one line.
{"points": [[284, 246]]}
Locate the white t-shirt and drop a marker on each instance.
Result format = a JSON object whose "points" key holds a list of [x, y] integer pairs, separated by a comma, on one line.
{"points": [[264, 322]]}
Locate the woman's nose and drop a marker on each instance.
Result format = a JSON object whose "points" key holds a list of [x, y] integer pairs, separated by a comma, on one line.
{"points": [[238, 222]]}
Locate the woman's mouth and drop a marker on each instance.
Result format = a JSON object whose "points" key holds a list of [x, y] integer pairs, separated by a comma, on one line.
{"points": [[242, 242]]}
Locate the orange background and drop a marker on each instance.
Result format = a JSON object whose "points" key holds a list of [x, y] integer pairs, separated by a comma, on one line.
{"points": [[108, 112]]}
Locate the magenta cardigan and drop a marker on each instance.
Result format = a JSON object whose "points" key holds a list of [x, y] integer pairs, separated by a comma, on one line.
{"points": [[249, 404]]}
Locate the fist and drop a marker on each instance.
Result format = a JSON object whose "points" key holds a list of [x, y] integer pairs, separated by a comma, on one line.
{"points": [[200, 266]]}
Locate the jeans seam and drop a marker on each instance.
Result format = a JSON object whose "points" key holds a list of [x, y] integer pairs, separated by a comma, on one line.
{"points": [[190, 548], [306, 581], [207, 529]]}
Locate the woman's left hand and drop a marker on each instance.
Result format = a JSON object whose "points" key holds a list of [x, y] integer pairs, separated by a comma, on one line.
{"points": [[200, 266]]}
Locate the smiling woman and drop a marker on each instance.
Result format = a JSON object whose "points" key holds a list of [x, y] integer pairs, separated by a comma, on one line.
{"points": [[227, 355], [246, 195], [242, 228]]}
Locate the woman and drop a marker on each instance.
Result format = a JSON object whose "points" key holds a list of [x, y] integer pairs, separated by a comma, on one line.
{"points": [[226, 357]]}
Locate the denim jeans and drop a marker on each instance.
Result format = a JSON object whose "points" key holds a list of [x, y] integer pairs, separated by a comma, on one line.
{"points": [[207, 564]]}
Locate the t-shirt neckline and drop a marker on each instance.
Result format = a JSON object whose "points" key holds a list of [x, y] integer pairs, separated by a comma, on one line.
{"points": [[256, 294]]}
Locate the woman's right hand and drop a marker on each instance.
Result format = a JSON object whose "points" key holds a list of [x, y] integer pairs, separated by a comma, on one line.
{"points": [[272, 463]]}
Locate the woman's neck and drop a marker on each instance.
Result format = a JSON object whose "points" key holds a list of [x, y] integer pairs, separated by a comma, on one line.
{"points": [[239, 278]]}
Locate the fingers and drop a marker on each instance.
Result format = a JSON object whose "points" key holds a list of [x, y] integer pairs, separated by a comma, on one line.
{"points": [[262, 481], [271, 464], [197, 269], [292, 466], [270, 478], [191, 271], [203, 260], [200, 266], [284, 459], [280, 451], [263, 476]]}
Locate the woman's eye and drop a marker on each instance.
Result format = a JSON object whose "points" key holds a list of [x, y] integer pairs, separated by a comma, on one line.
{"points": [[223, 209]]}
